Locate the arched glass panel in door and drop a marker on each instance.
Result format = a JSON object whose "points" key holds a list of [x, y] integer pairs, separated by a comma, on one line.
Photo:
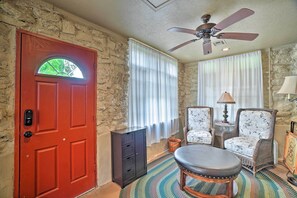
{"points": [[60, 67]]}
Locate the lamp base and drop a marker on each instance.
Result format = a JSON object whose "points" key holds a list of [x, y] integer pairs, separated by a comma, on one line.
{"points": [[292, 181], [225, 116]]}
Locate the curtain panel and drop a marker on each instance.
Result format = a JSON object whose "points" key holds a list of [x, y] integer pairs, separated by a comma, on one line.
{"points": [[240, 75], [153, 92]]}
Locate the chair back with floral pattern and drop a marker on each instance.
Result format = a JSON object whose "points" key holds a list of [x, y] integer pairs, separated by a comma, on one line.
{"points": [[199, 118], [255, 123]]}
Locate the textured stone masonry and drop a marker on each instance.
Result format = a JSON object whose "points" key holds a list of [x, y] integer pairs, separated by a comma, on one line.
{"points": [[283, 61], [112, 75]]}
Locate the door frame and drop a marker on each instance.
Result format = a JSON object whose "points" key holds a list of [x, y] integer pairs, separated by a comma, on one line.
{"points": [[17, 116]]}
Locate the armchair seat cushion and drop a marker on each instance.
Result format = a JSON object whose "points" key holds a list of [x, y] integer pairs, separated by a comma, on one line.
{"points": [[242, 145], [199, 136]]}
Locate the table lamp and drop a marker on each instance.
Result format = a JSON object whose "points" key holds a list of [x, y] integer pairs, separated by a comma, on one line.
{"points": [[226, 98], [289, 87]]}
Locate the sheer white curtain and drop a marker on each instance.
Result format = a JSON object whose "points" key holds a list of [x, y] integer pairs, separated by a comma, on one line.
{"points": [[153, 92], [240, 75]]}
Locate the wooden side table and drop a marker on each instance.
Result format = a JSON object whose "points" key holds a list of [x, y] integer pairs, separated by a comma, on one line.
{"points": [[220, 127]]}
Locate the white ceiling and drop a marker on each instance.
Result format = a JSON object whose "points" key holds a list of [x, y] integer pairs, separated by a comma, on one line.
{"points": [[274, 20]]}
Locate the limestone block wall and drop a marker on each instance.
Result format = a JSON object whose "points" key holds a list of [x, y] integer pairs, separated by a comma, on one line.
{"points": [[188, 88], [112, 75], [191, 84], [7, 67], [265, 53], [181, 94], [283, 62]]}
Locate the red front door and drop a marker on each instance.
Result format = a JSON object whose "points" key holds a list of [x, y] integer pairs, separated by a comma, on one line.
{"points": [[57, 156]]}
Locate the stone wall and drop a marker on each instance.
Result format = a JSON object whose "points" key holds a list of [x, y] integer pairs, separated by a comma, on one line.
{"points": [[7, 67], [191, 84], [188, 89], [282, 62], [181, 94], [266, 77], [112, 76]]}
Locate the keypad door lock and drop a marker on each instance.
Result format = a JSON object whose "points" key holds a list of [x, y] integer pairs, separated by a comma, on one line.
{"points": [[28, 117]]}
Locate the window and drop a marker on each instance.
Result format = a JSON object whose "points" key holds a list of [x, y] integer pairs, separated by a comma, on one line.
{"points": [[153, 92], [60, 67], [240, 75]]}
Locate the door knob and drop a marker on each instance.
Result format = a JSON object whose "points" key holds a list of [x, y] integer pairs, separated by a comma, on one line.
{"points": [[28, 134]]}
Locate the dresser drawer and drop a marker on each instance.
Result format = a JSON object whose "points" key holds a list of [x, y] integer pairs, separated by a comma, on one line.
{"points": [[129, 173], [128, 149], [128, 162], [128, 138]]}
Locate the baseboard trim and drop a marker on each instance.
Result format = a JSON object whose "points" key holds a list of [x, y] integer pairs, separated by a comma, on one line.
{"points": [[85, 192], [162, 154]]}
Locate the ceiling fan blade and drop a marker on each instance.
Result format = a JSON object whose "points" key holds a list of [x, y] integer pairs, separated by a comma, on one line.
{"points": [[237, 16], [183, 44], [183, 30], [207, 47], [238, 36]]}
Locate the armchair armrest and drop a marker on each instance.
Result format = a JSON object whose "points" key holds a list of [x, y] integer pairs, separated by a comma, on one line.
{"points": [[264, 150], [185, 129], [227, 135], [212, 131]]}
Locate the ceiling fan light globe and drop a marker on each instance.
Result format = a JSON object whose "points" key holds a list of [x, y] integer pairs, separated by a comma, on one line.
{"points": [[225, 49]]}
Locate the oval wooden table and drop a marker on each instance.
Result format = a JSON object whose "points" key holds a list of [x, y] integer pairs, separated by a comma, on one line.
{"points": [[208, 164]]}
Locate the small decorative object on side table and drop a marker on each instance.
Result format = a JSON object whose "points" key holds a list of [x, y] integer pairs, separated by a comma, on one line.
{"points": [[220, 127]]}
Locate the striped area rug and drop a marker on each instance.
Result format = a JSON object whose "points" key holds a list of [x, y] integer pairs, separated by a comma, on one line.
{"points": [[162, 181]]}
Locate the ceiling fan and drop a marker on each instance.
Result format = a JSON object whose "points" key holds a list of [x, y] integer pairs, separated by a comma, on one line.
{"points": [[208, 30]]}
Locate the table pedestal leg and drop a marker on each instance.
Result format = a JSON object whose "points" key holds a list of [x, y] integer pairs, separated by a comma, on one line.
{"points": [[229, 190], [182, 181]]}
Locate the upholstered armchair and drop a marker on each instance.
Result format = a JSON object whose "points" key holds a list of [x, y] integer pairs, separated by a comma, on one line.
{"points": [[199, 125], [252, 138]]}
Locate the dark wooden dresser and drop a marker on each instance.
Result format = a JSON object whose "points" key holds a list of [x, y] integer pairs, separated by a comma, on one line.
{"points": [[128, 150]]}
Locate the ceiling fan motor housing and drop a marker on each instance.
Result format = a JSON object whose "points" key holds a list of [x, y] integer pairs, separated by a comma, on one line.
{"points": [[204, 30]]}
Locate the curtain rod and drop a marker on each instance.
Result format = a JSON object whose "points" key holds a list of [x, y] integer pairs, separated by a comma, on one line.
{"points": [[152, 48]]}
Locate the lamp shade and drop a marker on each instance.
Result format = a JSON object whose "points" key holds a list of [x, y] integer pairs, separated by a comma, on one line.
{"points": [[289, 86], [226, 98]]}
